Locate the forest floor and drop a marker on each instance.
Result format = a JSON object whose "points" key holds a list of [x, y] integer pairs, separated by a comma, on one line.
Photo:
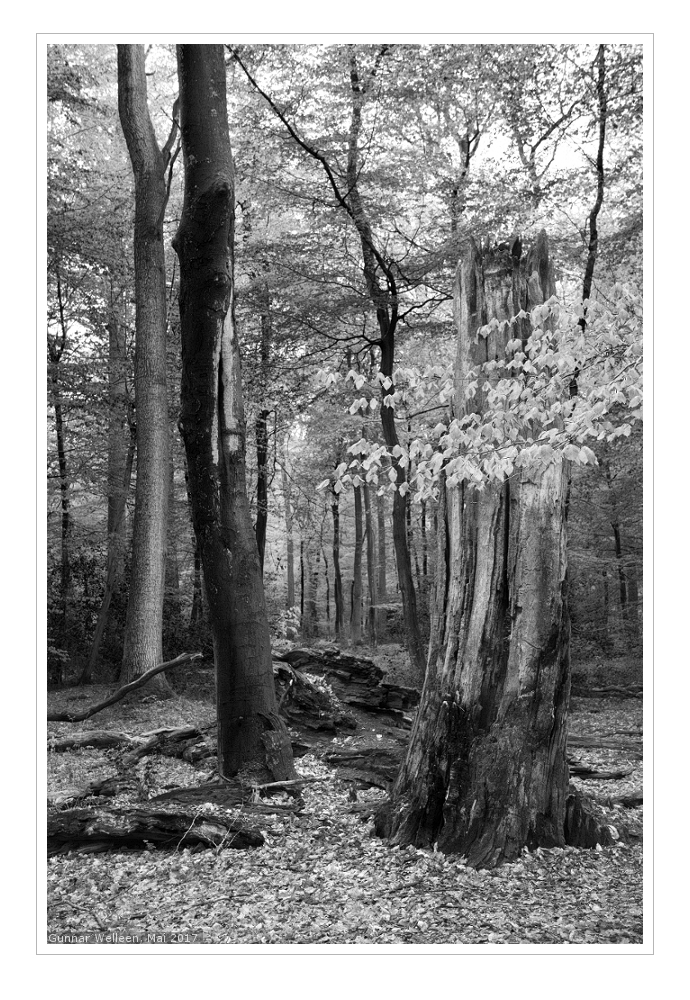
{"points": [[323, 877]]}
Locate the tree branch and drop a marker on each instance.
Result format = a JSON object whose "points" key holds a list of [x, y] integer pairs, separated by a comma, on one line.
{"points": [[121, 692]]}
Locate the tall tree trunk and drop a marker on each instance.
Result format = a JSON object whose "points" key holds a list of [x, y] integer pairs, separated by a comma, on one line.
{"points": [[371, 565], [338, 580], [114, 561], [172, 565], [143, 645], [196, 613], [381, 583], [376, 267], [311, 583], [301, 579], [486, 771], [290, 545], [56, 347], [252, 739], [120, 434], [261, 428], [356, 608]]}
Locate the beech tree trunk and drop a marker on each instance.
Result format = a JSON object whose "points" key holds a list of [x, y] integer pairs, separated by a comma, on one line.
{"points": [[337, 576], [143, 645], [356, 609], [371, 565], [56, 347], [252, 740], [486, 771], [290, 545], [381, 582]]}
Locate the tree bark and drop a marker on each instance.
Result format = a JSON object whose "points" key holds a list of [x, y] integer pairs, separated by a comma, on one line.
{"points": [[381, 582], [143, 645], [289, 542], [486, 771], [252, 739], [371, 566], [356, 610], [114, 561], [56, 347], [338, 579]]}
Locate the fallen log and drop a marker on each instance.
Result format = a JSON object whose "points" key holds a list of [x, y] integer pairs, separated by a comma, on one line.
{"points": [[124, 690], [228, 795], [591, 773], [306, 706], [356, 680], [373, 767], [134, 826], [631, 801], [101, 739], [115, 784], [606, 743]]}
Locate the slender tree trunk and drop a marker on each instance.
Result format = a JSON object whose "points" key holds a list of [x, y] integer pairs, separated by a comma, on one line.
{"points": [[311, 580], [113, 573], [172, 565], [196, 613], [120, 434], [328, 583], [371, 566], [386, 305], [143, 646], [56, 348], [252, 739], [290, 545], [301, 579], [338, 580], [381, 583], [486, 771], [356, 610], [261, 428]]}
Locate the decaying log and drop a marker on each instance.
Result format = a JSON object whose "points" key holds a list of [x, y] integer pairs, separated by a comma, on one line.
{"points": [[114, 784], [607, 743], [188, 743], [102, 739], [368, 767], [185, 658], [305, 706], [591, 773], [133, 826], [631, 801], [229, 795], [356, 680]]}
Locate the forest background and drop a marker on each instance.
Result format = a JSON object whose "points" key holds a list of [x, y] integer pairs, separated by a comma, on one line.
{"points": [[669, 163]]}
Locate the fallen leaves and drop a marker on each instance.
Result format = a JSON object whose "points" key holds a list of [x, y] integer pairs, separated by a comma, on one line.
{"points": [[322, 877]]}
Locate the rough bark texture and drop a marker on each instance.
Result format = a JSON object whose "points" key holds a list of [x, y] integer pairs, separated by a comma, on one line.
{"points": [[371, 567], [356, 609], [56, 347], [337, 576], [252, 739], [486, 771], [289, 542], [381, 583], [144, 628]]}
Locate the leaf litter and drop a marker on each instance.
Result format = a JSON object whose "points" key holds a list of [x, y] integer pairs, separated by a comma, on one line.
{"points": [[323, 877]]}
